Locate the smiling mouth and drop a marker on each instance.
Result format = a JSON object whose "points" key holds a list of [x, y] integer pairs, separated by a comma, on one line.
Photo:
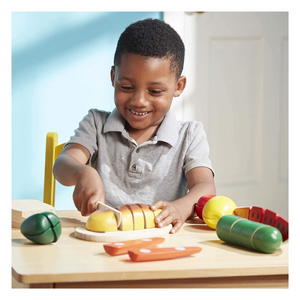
{"points": [[140, 113]]}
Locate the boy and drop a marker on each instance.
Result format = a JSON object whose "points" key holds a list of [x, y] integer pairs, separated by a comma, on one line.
{"points": [[140, 153]]}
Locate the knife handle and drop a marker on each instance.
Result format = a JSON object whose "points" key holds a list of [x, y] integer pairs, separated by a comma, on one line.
{"points": [[119, 248], [161, 253]]}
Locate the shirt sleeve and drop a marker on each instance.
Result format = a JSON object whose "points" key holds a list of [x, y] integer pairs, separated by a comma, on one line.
{"points": [[86, 133], [197, 154]]}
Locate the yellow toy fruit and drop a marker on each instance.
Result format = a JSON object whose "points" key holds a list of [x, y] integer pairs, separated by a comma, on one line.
{"points": [[102, 221], [215, 208]]}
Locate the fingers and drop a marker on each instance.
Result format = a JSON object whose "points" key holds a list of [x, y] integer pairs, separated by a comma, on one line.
{"points": [[177, 224], [87, 204], [168, 215]]}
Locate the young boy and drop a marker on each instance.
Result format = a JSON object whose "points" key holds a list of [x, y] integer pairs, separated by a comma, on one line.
{"points": [[140, 153]]}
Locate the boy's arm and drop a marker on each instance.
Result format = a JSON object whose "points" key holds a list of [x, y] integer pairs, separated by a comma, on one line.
{"points": [[70, 169], [200, 182]]}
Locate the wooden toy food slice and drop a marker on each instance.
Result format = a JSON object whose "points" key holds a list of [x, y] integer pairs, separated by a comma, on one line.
{"points": [[146, 254], [127, 219], [264, 216], [123, 247], [116, 212], [148, 216], [138, 216], [102, 221]]}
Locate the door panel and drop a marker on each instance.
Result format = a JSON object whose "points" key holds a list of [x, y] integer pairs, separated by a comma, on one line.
{"points": [[237, 86]]}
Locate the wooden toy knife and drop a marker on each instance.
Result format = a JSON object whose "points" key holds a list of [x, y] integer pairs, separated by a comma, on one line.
{"points": [[145, 254], [124, 246]]}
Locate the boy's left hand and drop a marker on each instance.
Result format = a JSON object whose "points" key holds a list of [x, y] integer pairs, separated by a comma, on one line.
{"points": [[171, 214]]}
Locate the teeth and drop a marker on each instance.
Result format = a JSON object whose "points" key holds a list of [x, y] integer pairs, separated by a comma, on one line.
{"points": [[140, 114]]}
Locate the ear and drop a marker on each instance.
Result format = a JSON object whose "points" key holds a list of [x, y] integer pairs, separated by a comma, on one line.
{"points": [[180, 85], [112, 76]]}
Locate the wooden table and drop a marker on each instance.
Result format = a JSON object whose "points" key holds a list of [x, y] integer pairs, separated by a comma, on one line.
{"points": [[74, 263]]}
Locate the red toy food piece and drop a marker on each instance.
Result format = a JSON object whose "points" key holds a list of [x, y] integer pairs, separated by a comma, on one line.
{"points": [[283, 226], [161, 253], [123, 247], [243, 212], [200, 204], [256, 214], [269, 217]]}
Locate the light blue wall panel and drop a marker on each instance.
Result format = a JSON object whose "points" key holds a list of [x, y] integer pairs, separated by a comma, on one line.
{"points": [[60, 69]]}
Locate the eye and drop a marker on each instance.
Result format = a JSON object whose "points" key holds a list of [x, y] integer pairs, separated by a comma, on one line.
{"points": [[156, 92], [127, 88]]}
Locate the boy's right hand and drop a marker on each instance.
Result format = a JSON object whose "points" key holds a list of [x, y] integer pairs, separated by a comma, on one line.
{"points": [[70, 169], [88, 190]]}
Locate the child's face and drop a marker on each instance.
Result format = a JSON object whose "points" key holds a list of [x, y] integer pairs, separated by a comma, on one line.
{"points": [[144, 89]]}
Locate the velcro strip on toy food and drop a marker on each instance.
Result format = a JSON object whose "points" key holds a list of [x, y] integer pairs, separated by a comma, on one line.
{"points": [[252, 235], [134, 217], [264, 216]]}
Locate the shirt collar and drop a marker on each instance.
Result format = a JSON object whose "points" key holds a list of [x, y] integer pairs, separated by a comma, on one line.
{"points": [[114, 122], [168, 130]]}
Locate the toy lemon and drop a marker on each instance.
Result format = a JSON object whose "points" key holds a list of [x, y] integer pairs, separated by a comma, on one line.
{"points": [[102, 221], [215, 208]]}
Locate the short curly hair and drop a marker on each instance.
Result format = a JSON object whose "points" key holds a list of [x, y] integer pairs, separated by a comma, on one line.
{"points": [[152, 38]]}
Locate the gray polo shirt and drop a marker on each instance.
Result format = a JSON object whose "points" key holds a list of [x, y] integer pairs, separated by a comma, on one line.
{"points": [[154, 170]]}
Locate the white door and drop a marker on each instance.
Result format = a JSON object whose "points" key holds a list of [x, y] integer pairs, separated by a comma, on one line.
{"points": [[237, 86]]}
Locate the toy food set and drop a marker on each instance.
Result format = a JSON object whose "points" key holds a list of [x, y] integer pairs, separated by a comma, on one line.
{"points": [[253, 228], [130, 221], [250, 227]]}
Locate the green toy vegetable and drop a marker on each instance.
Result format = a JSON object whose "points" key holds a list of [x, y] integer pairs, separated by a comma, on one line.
{"points": [[42, 228], [253, 235]]}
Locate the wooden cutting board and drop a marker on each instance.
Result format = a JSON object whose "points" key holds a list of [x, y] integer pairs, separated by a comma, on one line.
{"points": [[114, 236], [24, 208]]}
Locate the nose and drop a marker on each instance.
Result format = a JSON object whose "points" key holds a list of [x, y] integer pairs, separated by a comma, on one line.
{"points": [[139, 99]]}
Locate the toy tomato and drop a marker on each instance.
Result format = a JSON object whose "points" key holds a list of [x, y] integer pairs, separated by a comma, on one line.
{"points": [[200, 204]]}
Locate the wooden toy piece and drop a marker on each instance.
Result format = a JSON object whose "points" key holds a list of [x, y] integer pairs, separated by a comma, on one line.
{"points": [[157, 212], [201, 203], [148, 216], [42, 228], [116, 212], [22, 209], [138, 216], [256, 214], [283, 226], [146, 254], [127, 219], [253, 235], [102, 221], [123, 247], [269, 217], [215, 208], [113, 236], [243, 212]]}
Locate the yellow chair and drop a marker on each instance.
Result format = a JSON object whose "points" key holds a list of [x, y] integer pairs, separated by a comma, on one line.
{"points": [[52, 152]]}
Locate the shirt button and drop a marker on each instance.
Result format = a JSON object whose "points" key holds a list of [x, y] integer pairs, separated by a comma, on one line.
{"points": [[137, 150], [133, 167]]}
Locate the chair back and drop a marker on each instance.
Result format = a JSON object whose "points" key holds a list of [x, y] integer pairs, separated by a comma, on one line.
{"points": [[52, 152]]}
